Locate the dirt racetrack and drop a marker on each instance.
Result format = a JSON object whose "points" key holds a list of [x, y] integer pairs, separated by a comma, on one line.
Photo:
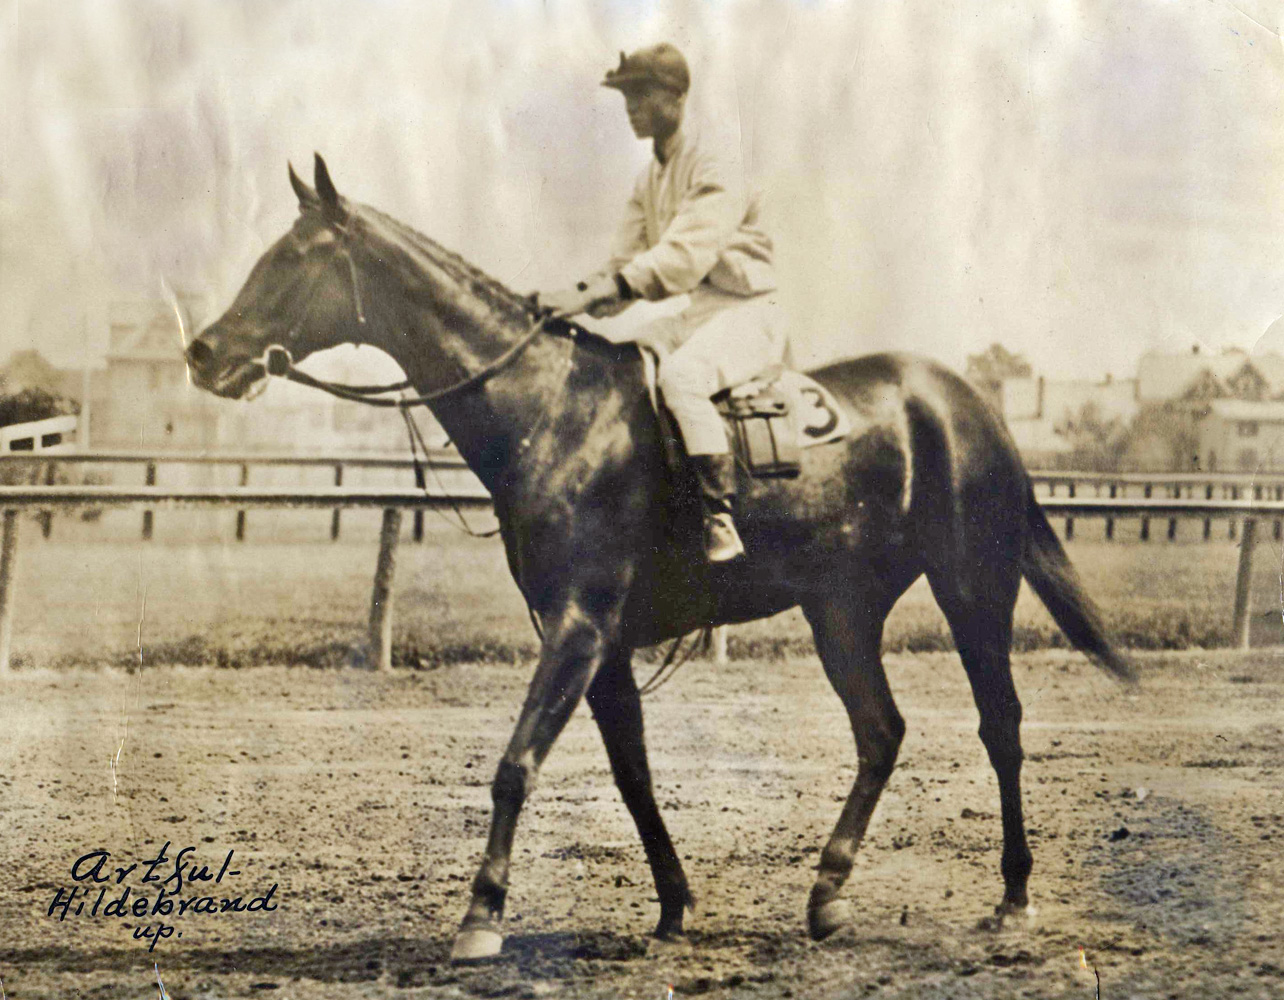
{"points": [[1156, 823]]}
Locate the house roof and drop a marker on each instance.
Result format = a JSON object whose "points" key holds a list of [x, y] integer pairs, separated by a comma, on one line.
{"points": [[1163, 376]]}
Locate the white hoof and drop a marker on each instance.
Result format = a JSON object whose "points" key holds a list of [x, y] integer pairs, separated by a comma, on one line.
{"points": [[824, 920], [479, 944]]}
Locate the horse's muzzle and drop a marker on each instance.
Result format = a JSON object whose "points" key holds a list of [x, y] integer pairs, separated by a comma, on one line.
{"points": [[199, 356], [216, 374]]}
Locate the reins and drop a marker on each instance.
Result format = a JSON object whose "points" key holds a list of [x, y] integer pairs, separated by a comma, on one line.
{"points": [[277, 360], [671, 664]]}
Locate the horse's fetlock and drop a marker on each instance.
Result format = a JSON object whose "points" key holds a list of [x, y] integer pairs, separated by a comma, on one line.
{"points": [[673, 890], [1017, 863], [490, 890], [836, 860]]}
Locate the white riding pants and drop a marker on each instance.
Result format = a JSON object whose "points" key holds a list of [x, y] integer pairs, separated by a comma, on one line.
{"points": [[717, 341]]}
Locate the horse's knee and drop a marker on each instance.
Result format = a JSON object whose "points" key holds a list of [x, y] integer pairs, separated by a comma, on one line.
{"points": [[1002, 741], [513, 783], [879, 750]]}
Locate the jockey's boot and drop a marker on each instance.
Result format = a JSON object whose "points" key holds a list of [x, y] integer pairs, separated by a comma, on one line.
{"points": [[716, 475]]}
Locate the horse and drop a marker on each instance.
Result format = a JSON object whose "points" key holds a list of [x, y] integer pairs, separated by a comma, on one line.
{"points": [[602, 535]]}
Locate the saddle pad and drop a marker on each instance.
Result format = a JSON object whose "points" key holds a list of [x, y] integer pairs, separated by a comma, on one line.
{"points": [[818, 419]]}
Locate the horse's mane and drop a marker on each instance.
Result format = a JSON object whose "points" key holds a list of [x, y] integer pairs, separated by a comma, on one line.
{"points": [[503, 302]]}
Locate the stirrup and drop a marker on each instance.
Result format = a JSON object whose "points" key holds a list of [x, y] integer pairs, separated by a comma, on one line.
{"points": [[721, 540]]}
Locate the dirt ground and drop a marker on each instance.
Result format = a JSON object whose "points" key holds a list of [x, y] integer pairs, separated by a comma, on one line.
{"points": [[1156, 822]]}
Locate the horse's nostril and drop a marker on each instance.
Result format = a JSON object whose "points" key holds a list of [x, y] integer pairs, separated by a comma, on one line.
{"points": [[199, 354]]}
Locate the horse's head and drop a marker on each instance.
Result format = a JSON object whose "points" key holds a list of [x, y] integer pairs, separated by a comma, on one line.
{"points": [[301, 297]]}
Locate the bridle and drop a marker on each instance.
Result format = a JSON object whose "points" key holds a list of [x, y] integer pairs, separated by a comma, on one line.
{"points": [[278, 362]]}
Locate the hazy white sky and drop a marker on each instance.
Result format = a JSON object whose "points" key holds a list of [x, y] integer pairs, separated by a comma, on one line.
{"points": [[1078, 180]]}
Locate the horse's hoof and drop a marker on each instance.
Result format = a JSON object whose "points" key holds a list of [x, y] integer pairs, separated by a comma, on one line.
{"points": [[1009, 917], [476, 944], [827, 918], [669, 946]]}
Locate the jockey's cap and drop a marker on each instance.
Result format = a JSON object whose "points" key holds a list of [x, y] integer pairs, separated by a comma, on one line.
{"points": [[662, 64]]}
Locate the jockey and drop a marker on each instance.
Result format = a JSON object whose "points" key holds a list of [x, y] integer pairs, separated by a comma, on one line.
{"points": [[690, 228]]}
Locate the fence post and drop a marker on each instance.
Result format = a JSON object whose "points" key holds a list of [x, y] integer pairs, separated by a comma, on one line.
{"points": [[334, 515], [147, 514], [1110, 521], [1145, 521], [421, 485], [1070, 520], [380, 637], [8, 567], [240, 514], [1244, 584], [46, 516], [720, 645]]}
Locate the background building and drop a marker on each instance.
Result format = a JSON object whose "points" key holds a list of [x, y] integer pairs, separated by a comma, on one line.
{"points": [[141, 399], [1042, 413], [1185, 411]]}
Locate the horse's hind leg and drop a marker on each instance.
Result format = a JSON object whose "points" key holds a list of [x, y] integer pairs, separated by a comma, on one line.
{"points": [[848, 631], [617, 709], [980, 617]]}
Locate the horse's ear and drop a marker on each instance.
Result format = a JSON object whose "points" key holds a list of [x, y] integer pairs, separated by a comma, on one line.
{"points": [[326, 190], [307, 197]]}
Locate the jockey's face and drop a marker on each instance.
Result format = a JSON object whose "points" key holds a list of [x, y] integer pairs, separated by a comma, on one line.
{"points": [[654, 111]]}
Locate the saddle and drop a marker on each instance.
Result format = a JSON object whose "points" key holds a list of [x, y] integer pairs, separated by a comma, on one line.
{"points": [[769, 420]]}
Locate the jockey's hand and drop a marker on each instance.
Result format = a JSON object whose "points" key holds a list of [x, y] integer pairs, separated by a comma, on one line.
{"points": [[604, 310], [583, 298]]}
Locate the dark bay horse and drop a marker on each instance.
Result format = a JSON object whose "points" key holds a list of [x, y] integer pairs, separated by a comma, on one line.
{"points": [[604, 543]]}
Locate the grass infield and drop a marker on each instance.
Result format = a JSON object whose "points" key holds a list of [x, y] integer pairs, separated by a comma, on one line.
{"points": [[96, 595]]}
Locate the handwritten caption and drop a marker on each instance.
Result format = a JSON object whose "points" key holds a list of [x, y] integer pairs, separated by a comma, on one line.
{"points": [[168, 887]]}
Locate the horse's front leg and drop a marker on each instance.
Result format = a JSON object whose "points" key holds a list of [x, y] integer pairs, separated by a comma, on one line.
{"points": [[575, 643]]}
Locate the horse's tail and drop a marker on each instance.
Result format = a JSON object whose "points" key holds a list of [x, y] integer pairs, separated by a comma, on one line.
{"points": [[1047, 569]]}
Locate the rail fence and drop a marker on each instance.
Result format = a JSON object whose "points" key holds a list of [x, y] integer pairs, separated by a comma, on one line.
{"points": [[1124, 487], [1243, 501], [43, 468]]}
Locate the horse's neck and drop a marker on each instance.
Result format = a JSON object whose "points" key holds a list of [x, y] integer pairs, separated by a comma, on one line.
{"points": [[443, 321], [501, 425]]}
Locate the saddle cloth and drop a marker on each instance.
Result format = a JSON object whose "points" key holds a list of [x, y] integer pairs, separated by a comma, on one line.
{"points": [[769, 419]]}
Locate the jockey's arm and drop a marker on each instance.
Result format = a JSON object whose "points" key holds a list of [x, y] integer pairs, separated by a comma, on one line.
{"points": [[705, 223]]}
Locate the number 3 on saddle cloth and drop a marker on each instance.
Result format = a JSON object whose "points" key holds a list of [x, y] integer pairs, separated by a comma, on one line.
{"points": [[769, 419]]}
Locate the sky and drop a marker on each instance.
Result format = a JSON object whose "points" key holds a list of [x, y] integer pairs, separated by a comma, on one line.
{"points": [[1079, 181]]}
